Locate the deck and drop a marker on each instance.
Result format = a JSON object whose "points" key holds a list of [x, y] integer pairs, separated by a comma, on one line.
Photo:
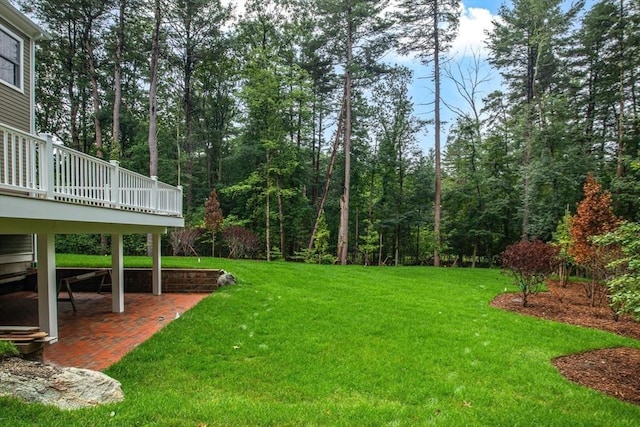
{"points": [[35, 167]]}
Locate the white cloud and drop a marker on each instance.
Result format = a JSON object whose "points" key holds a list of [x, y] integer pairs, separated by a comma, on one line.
{"points": [[474, 23]]}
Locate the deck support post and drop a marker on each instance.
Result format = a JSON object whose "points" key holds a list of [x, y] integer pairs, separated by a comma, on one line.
{"points": [[156, 270], [117, 274], [47, 288]]}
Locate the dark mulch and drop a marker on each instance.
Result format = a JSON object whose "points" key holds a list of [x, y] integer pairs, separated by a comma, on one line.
{"points": [[614, 371]]}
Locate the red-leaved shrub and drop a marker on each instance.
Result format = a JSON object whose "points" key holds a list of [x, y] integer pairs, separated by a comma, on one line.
{"points": [[241, 242], [530, 263]]}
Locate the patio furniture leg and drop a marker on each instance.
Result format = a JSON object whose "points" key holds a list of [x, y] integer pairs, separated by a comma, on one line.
{"points": [[68, 289]]}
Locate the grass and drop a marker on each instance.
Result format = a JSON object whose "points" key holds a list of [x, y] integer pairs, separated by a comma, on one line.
{"points": [[295, 344]]}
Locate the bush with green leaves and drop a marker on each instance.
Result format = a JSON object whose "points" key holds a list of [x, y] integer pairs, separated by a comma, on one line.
{"points": [[7, 349], [530, 263], [88, 244], [624, 280], [319, 252], [562, 240], [369, 242]]}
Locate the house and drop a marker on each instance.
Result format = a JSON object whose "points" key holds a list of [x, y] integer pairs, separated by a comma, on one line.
{"points": [[48, 189]]}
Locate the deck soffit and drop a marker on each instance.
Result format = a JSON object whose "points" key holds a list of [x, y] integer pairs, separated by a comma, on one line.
{"points": [[29, 215]]}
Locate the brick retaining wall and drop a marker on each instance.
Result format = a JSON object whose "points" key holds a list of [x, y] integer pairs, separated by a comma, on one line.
{"points": [[139, 280]]}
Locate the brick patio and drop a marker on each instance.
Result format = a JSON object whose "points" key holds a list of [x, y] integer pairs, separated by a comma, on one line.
{"points": [[94, 337]]}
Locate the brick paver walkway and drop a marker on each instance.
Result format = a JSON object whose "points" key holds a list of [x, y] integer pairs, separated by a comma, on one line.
{"points": [[94, 337]]}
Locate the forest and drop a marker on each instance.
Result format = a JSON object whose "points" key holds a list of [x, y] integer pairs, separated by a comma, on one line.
{"points": [[295, 137]]}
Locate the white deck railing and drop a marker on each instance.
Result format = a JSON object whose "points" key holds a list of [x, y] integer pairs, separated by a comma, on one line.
{"points": [[34, 165]]}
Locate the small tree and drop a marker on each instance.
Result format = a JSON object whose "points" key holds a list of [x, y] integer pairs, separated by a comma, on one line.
{"points": [[530, 263], [183, 241], [241, 241], [624, 283], [369, 241], [319, 253], [562, 241], [213, 218], [593, 217]]}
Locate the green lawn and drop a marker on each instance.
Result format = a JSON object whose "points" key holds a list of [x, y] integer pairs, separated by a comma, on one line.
{"points": [[296, 344]]}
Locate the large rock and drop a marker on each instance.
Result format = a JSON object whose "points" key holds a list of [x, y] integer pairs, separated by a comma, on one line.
{"points": [[226, 279], [66, 388]]}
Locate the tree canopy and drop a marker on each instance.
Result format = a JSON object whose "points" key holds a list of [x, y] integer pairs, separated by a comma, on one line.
{"points": [[294, 112]]}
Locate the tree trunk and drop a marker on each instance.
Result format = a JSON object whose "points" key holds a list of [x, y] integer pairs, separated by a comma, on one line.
{"points": [[116, 150], [396, 244], [187, 75], [438, 192], [343, 235], [268, 211], [281, 217], [475, 255], [332, 161], [188, 134], [418, 239], [621, 99], [71, 87], [533, 58], [91, 63], [153, 94], [152, 138]]}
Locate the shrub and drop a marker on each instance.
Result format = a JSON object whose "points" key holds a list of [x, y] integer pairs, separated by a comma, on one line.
{"points": [[88, 244], [562, 241], [183, 241], [369, 242], [241, 242], [213, 218], [135, 244], [8, 349], [624, 283], [319, 253], [530, 263], [594, 217]]}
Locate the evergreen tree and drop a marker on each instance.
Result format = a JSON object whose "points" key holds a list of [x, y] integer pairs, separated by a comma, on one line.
{"points": [[396, 136], [356, 33], [524, 47], [428, 28]]}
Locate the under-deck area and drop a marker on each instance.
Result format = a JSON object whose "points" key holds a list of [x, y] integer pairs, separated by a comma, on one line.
{"points": [[94, 337]]}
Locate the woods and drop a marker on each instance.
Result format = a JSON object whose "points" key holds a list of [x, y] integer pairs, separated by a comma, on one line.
{"points": [[296, 116]]}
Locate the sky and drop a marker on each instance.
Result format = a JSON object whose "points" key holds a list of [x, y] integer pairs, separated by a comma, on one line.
{"points": [[475, 20]]}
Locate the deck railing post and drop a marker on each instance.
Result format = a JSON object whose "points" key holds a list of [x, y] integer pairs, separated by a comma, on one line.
{"points": [[179, 201], [47, 167], [115, 183], [32, 167], [154, 194]]}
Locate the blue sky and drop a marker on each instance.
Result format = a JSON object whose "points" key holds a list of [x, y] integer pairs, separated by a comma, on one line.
{"points": [[475, 20]]}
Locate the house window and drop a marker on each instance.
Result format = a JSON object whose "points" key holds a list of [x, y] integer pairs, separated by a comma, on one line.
{"points": [[10, 59]]}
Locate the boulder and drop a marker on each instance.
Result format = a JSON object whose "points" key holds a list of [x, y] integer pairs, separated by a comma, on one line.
{"points": [[66, 388], [226, 279]]}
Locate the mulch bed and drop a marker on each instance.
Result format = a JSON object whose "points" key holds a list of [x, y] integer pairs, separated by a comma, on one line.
{"points": [[614, 371]]}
